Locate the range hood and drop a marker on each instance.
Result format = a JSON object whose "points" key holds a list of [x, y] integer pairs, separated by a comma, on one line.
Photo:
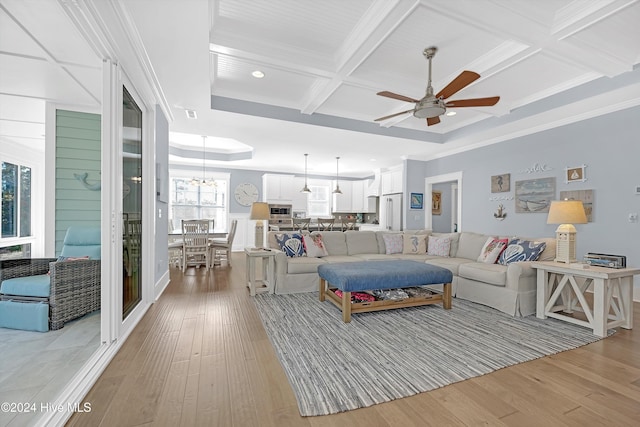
{"points": [[374, 187]]}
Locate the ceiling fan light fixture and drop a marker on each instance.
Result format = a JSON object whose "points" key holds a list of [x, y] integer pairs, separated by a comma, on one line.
{"points": [[429, 112]]}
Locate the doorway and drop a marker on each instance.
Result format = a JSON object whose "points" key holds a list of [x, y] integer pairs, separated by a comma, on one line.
{"points": [[451, 188]]}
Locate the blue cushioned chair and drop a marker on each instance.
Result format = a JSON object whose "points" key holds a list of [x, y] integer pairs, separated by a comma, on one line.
{"points": [[69, 287]]}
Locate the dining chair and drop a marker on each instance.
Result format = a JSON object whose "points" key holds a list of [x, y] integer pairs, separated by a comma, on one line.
{"points": [[195, 242], [326, 224], [300, 224], [348, 224], [223, 246]]}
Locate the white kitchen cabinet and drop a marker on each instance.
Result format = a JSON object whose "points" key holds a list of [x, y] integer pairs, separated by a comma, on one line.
{"points": [[343, 202], [299, 202], [277, 188], [357, 196], [392, 182]]}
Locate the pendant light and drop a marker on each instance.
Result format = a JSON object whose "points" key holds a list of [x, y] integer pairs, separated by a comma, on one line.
{"points": [[337, 190], [305, 189], [203, 181]]}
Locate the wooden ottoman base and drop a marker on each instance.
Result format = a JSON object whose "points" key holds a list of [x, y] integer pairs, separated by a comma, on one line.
{"points": [[347, 307]]}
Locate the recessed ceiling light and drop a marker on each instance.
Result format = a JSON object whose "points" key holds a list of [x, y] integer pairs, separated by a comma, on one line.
{"points": [[451, 113], [372, 160], [191, 114], [258, 74]]}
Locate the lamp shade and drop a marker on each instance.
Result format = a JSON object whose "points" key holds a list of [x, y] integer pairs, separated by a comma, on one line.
{"points": [[566, 212], [259, 211]]}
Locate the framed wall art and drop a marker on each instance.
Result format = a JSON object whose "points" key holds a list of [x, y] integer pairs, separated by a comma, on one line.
{"points": [[436, 202], [535, 195], [576, 174], [585, 196], [501, 183], [417, 200]]}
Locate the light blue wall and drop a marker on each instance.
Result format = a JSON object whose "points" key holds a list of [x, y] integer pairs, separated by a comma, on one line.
{"points": [[414, 183], [610, 147]]}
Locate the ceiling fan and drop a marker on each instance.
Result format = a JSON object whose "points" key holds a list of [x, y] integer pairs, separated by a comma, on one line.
{"points": [[431, 107]]}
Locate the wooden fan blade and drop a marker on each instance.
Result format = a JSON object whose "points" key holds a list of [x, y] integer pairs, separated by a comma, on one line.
{"points": [[433, 120], [475, 102], [396, 96], [392, 115], [463, 80]]}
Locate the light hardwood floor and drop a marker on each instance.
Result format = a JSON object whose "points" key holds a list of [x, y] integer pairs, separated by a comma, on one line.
{"points": [[200, 357]]}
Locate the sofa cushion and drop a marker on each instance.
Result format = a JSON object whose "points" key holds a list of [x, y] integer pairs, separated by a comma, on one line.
{"points": [[414, 244], [393, 243], [335, 242], [493, 274], [341, 258], [377, 257], [382, 248], [549, 253], [361, 242], [521, 250], [304, 265], [28, 286], [470, 245], [455, 238], [453, 264], [291, 244], [439, 246], [492, 249], [314, 246]]}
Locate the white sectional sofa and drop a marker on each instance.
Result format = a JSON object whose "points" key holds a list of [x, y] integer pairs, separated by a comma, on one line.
{"points": [[508, 288]]}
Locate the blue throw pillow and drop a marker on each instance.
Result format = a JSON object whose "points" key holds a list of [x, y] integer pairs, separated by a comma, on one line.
{"points": [[291, 244], [521, 250]]}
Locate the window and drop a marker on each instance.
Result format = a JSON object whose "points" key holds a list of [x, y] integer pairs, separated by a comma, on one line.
{"points": [[318, 203], [193, 201], [16, 201]]}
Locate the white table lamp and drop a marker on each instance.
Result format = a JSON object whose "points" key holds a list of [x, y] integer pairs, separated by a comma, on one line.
{"points": [[566, 213], [259, 212]]}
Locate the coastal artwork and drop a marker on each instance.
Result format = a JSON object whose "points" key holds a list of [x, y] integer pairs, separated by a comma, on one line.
{"points": [[501, 183], [535, 195], [585, 196]]}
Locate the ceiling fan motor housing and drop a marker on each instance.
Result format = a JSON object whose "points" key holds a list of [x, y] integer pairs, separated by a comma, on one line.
{"points": [[428, 108]]}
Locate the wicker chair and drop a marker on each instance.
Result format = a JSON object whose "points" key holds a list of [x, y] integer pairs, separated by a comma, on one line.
{"points": [[74, 286]]}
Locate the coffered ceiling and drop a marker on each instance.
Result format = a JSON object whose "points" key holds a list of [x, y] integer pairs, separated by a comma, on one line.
{"points": [[552, 62]]}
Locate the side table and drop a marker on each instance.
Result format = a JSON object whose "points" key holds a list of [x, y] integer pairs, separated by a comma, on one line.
{"points": [[267, 279], [612, 295]]}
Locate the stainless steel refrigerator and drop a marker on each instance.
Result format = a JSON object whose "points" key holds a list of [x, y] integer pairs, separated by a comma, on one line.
{"points": [[391, 211]]}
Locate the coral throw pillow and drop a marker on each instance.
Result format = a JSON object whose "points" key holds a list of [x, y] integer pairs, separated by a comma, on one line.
{"points": [[393, 243], [414, 243], [439, 246], [521, 250], [291, 244], [492, 250], [314, 246]]}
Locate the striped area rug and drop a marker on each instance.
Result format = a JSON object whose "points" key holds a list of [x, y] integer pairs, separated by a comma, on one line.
{"points": [[381, 356]]}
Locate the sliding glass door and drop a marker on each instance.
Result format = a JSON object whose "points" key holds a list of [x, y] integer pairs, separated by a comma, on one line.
{"points": [[131, 203]]}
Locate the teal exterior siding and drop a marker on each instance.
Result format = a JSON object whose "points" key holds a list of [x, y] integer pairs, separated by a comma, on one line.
{"points": [[77, 154]]}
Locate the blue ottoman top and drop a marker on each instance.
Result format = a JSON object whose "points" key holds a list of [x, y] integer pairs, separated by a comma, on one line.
{"points": [[369, 275]]}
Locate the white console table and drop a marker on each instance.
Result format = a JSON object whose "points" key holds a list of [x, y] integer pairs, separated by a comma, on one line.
{"points": [[612, 295], [267, 281]]}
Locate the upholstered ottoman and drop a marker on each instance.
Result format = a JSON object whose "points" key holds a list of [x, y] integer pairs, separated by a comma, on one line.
{"points": [[370, 275]]}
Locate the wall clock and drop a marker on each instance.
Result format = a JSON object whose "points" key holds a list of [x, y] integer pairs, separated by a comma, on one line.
{"points": [[246, 193]]}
